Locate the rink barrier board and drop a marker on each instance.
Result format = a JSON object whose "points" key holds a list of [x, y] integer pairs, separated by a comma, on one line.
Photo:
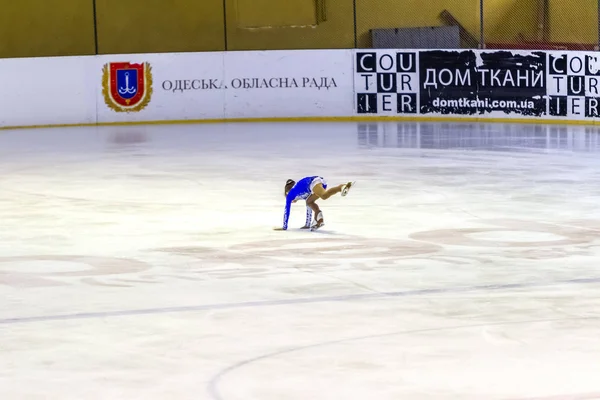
{"points": [[543, 87]]}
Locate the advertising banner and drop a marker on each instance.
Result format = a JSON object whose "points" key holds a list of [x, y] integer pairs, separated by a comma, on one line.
{"points": [[217, 86], [451, 82]]}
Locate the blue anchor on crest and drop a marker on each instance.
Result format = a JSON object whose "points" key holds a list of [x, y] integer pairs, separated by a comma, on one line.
{"points": [[127, 89]]}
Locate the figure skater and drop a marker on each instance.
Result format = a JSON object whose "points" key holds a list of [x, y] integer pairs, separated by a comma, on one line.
{"points": [[310, 189]]}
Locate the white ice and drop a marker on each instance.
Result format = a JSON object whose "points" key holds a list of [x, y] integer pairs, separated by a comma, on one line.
{"points": [[140, 263]]}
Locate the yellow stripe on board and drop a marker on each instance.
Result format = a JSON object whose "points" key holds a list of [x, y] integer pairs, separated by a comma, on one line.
{"points": [[317, 119]]}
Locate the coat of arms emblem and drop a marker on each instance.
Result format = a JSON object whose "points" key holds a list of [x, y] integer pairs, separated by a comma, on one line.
{"points": [[127, 87]]}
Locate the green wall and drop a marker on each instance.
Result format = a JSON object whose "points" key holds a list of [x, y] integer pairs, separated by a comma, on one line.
{"points": [[37, 28], [573, 21], [66, 27], [290, 24], [157, 26]]}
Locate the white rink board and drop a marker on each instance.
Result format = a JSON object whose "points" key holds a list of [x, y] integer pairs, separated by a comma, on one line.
{"points": [[185, 86], [47, 91], [312, 98], [166, 105], [232, 85]]}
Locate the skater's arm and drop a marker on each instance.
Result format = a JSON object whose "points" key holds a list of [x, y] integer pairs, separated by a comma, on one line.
{"points": [[286, 213]]}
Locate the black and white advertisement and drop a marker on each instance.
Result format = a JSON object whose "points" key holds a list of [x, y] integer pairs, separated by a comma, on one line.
{"points": [[453, 82], [469, 82], [386, 83], [573, 85]]}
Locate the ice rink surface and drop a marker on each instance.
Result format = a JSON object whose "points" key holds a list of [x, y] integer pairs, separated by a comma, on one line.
{"points": [[140, 263]]}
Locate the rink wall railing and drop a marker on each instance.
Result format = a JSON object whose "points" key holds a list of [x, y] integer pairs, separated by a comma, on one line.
{"points": [[337, 85]]}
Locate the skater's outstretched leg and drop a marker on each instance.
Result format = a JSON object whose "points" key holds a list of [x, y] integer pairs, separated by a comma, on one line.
{"points": [[324, 194]]}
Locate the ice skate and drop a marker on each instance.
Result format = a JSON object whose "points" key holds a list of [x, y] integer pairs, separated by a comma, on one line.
{"points": [[347, 187], [319, 222], [317, 226]]}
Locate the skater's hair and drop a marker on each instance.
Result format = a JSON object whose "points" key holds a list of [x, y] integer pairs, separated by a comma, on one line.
{"points": [[289, 185]]}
